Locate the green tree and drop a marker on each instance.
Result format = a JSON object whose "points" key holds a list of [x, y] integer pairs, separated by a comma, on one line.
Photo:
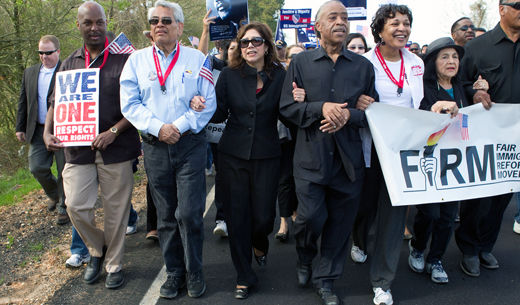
{"points": [[265, 11]]}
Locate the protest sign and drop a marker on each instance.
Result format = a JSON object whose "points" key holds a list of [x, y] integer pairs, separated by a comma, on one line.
{"points": [[231, 15], [76, 106], [295, 18], [428, 157], [356, 9]]}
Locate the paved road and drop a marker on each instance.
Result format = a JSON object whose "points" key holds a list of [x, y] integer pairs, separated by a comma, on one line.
{"points": [[143, 262]]}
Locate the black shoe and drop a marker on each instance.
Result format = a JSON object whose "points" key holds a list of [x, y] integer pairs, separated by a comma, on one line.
{"points": [[93, 270], [196, 284], [170, 288], [51, 204], [63, 219], [470, 265], [282, 237], [328, 297], [241, 293], [261, 260], [114, 280], [304, 273], [488, 260]]}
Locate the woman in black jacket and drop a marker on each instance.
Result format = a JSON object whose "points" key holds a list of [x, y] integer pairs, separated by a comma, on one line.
{"points": [[443, 93], [248, 92]]}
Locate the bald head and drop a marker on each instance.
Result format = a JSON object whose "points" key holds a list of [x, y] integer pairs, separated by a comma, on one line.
{"points": [[327, 3], [92, 24], [88, 6]]}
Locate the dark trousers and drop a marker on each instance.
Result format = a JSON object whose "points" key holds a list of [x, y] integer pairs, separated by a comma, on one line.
{"points": [[40, 163], [151, 211], [178, 187], [327, 211], [287, 201], [219, 187], [480, 221], [250, 209], [389, 228], [437, 220], [368, 205]]}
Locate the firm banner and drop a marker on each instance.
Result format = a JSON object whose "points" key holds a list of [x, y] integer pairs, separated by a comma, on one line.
{"points": [[76, 106], [428, 157]]}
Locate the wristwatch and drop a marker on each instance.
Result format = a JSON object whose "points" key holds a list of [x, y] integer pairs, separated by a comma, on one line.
{"points": [[114, 130]]}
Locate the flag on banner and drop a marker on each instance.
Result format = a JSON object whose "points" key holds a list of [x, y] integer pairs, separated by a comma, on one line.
{"points": [[121, 45], [205, 70]]}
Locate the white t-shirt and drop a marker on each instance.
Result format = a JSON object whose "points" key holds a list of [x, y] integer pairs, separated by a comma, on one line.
{"points": [[386, 88]]}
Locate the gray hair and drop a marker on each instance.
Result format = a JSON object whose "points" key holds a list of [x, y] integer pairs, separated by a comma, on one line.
{"points": [[175, 7]]}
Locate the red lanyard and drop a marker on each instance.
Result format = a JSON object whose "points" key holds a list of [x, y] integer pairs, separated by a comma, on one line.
{"points": [[162, 80], [105, 56], [399, 84]]}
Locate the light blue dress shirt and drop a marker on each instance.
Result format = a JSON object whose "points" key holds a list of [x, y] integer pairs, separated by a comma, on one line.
{"points": [[147, 108]]}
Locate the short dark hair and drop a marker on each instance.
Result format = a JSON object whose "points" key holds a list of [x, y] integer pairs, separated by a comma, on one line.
{"points": [[384, 13], [352, 36], [456, 23], [270, 59], [430, 69]]}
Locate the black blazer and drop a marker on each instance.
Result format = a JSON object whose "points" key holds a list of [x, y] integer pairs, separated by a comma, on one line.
{"points": [[251, 131], [28, 103], [434, 93]]}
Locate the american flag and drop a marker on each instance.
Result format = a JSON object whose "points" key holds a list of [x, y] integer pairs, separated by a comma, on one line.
{"points": [[464, 133], [121, 45], [205, 70]]}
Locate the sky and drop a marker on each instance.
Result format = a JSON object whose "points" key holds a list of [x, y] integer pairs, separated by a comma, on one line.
{"points": [[431, 19]]}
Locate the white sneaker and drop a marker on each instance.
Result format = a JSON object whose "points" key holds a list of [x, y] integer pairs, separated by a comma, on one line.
{"points": [[438, 275], [220, 228], [516, 227], [382, 297], [357, 255], [415, 259], [132, 229], [76, 260]]}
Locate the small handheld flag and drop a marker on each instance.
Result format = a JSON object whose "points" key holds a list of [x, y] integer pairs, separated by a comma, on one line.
{"points": [[121, 45], [205, 70]]}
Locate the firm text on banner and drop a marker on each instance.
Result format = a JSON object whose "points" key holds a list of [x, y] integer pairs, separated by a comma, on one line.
{"points": [[428, 157]]}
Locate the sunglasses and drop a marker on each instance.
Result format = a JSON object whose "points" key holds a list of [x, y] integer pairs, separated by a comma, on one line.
{"points": [[256, 41], [414, 49], [515, 5], [164, 20], [466, 27], [47, 52]]}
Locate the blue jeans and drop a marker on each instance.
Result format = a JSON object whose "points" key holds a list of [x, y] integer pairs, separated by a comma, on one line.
{"points": [[517, 215], [77, 246], [178, 187]]}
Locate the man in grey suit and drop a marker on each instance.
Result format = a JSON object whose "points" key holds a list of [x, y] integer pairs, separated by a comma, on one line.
{"points": [[32, 110]]}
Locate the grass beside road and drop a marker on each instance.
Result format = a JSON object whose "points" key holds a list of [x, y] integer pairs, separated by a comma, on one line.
{"points": [[13, 188]]}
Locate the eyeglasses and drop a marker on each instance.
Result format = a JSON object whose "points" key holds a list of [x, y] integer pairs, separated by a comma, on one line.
{"points": [[515, 5], [47, 52], [466, 27], [414, 49], [164, 20], [256, 41]]}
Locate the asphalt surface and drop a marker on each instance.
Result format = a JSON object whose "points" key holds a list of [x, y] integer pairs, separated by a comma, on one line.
{"points": [[277, 281]]}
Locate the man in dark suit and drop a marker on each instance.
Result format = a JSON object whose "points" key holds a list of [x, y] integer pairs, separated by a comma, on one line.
{"points": [[32, 109], [328, 159]]}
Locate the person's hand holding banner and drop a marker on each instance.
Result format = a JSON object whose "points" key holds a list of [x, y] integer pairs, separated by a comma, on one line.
{"points": [[52, 143], [483, 97]]}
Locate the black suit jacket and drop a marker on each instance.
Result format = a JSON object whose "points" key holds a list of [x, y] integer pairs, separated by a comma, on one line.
{"points": [[251, 130], [27, 117], [324, 81]]}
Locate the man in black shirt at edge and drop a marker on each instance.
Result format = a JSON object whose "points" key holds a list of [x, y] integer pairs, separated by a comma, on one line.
{"points": [[495, 56], [328, 160]]}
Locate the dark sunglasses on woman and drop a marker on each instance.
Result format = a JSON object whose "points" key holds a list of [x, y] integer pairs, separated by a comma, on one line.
{"points": [[256, 41]]}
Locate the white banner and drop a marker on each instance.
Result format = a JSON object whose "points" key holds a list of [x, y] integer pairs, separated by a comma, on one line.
{"points": [[428, 157], [76, 106]]}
